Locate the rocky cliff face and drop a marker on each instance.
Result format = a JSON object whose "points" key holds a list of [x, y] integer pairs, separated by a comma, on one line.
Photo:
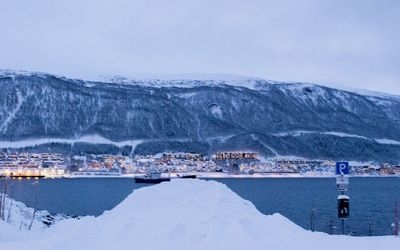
{"points": [[204, 116]]}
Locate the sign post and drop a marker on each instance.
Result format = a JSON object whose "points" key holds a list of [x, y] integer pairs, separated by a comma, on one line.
{"points": [[342, 184]]}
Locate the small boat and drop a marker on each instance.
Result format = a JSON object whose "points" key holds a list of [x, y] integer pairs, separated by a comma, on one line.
{"points": [[187, 176], [151, 178], [158, 178]]}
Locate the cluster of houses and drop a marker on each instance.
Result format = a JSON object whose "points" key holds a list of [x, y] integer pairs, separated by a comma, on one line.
{"points": [[236, 163], [32, 164]]}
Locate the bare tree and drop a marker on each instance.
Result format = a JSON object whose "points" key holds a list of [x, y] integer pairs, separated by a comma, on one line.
{"points": [[11, 203], [3, 199], [36, 187]]}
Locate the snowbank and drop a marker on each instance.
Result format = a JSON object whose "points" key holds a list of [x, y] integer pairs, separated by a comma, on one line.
{"points": [[186, 214], [26, 218]]}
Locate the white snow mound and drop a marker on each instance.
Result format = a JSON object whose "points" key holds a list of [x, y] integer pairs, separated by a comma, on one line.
{"points": [[26, 218], [187, 214]]}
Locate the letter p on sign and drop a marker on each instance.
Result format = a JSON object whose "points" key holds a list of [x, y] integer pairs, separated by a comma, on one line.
{"points": [[342, 168]]}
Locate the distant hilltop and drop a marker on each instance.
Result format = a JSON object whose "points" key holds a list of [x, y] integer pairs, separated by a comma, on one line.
{"points": [[41, 111]]}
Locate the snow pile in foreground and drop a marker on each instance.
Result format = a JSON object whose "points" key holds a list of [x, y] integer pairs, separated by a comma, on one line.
{"points": [[185, 214], [26, 218]]}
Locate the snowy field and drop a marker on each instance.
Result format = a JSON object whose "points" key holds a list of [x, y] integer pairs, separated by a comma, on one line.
{"points": [[182, 214]]}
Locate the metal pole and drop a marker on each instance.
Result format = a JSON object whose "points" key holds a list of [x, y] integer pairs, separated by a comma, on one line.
{"points": [[342, 226], [342, 192], [396, 221], [369, 226]]}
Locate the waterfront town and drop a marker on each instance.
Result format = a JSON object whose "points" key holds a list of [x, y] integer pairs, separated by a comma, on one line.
{"points": [[221, 164]]}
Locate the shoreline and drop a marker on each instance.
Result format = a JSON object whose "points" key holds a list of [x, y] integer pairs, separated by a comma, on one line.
{"points": [[226, 176]]}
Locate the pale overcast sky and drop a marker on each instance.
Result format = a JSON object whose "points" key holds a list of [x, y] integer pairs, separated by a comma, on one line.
{"points": [[345, 43]]}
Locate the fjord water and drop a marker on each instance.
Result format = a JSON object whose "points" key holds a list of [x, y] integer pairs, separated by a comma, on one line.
{"points": [[309, 202]]}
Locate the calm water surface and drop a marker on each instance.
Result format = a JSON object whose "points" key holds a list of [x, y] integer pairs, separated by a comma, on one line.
{"points": [[304, 201]]}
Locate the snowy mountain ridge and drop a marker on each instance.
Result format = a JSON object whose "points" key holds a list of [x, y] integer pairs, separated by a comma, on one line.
{"points": [[150, 80], [191, 80]]}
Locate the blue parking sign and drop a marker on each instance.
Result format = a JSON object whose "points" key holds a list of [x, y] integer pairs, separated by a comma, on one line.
{"points": [[342, 168]]}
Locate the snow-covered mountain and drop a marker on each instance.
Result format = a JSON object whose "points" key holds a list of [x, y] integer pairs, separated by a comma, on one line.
{"points": [[150, 116]]}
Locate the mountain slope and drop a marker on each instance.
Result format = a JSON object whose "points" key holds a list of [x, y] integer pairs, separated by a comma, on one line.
{"points": [[271, 118]]}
